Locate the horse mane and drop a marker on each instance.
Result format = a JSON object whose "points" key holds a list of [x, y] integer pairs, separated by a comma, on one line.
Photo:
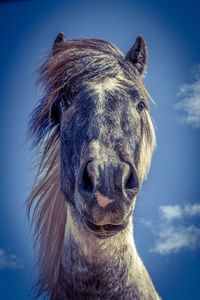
{"points": [[73, 64], [49, 212]]}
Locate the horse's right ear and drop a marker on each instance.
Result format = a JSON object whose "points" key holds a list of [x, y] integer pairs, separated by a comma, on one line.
{"points": [[58, 43]]}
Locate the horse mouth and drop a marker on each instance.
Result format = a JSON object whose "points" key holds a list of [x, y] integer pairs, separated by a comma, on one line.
{"points": [[106, 231]]}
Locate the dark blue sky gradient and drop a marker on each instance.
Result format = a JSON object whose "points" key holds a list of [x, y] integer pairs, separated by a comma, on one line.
{"points": [[171, 29]]}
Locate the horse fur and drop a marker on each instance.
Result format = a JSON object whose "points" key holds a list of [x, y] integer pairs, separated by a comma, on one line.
{"points": [[73, 263]]}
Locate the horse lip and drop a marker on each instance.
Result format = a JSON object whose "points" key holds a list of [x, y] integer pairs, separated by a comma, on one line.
{"points": [[104, 231]]}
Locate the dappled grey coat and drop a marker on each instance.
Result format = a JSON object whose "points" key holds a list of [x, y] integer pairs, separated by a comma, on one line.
{"points": [[96, 139]]}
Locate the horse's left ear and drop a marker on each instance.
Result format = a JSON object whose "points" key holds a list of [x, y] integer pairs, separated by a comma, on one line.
{"points": [[59, 40], [137, 55]]}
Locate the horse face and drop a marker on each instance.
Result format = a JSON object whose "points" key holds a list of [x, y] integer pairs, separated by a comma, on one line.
{"points": [[101, 134], [106, 134]]}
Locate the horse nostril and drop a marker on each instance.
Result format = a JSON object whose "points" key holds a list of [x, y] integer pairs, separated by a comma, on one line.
{"points": [[126, 178], [88, 178], [131, 180]]}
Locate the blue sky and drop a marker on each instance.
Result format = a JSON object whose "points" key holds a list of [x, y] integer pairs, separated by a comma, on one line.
{"points": [[167, 218]]}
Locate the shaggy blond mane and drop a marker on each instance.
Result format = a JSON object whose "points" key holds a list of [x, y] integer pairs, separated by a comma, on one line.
{"points": [[48, 218]]}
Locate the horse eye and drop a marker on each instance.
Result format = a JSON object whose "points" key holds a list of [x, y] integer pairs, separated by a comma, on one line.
{"points": [[141, 105], [64, 102]]}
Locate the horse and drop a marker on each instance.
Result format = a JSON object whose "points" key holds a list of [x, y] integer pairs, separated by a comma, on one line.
{"points": [[95, 138]]}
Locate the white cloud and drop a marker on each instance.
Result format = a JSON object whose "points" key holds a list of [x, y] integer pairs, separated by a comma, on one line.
{"points": [[10, 261], [192, 210], [176, 230], [189, 104], [173, 239], [171, 212]]}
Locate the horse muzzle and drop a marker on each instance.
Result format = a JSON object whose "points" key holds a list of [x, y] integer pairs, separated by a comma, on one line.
{"points": [[105, 195]]}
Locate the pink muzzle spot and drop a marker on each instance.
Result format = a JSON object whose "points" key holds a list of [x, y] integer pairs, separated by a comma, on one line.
{"points": [[102, 201]]}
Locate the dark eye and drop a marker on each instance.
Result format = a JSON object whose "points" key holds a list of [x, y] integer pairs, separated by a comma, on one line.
{"points": [[65, 101], [140, 106]]}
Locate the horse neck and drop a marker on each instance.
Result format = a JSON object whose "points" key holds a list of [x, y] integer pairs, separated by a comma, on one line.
{"points": [[114, 262], [84, 254]]}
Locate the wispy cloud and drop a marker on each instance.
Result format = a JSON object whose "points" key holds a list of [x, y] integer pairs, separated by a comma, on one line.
{"points": [[192, 210], [176, 230], [10, 261], [189, 104], [171, 212], [173, 239]]}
